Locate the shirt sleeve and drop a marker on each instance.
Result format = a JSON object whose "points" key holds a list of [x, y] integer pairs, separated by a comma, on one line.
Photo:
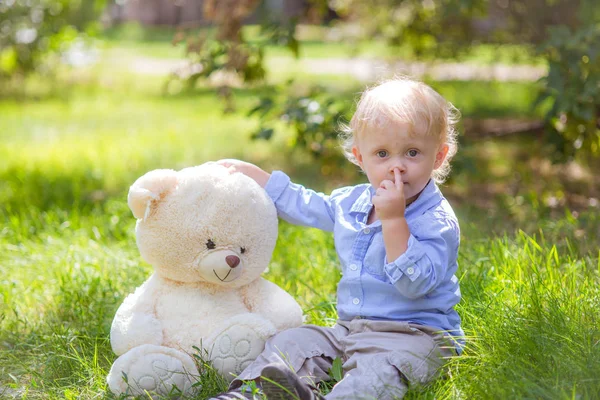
{"points": [[298, 205], [432, 247]]}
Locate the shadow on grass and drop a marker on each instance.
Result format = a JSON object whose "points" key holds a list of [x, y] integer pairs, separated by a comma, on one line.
{"points": [[487, 99], [44, 190]]}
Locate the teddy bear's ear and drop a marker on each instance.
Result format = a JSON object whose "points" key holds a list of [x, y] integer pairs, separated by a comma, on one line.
{"points": [[150, 188]]}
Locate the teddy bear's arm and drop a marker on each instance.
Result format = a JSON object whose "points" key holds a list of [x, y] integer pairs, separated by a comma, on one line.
{"points": [[135, 322], [273, 303]]}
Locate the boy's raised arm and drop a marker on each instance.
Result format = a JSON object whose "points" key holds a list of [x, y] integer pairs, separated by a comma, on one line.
{"points": [[294, 203]]}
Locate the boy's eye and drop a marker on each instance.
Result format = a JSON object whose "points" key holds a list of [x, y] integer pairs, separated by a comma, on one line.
{"points": [[382, 154], [412, 153], [210, 244]]}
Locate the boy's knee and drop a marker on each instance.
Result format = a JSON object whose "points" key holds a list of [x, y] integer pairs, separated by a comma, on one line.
{"points": [[285, 344], [416, 369]]}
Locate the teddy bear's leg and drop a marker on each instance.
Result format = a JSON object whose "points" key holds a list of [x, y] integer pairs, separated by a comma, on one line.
{"points": [[156, 370], [238, 342]]}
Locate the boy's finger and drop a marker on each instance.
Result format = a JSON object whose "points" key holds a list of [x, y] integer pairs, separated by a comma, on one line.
{"points": [[397, 177]]}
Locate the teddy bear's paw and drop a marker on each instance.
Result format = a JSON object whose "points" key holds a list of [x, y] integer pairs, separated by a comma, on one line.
{"points": [[153, 370], [235, 348]]}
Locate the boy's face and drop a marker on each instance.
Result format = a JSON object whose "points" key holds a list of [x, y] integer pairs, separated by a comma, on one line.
{"points": [[381, 149]]}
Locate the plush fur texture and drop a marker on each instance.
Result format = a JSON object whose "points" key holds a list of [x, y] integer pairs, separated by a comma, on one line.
{"points": [[209, 235]]}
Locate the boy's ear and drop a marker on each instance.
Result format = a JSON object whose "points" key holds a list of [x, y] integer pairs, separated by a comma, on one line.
{"points": [[149, 189], [357, 155], [441, 156]]}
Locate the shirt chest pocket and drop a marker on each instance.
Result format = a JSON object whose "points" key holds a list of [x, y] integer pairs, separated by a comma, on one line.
{"points": [[375, 258]]}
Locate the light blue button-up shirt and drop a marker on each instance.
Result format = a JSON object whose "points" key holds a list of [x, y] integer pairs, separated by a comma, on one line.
{"points": [[420, 286]]}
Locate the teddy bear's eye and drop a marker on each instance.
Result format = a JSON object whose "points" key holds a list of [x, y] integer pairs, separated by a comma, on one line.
{"points": [[210, 244], [242, 250]]}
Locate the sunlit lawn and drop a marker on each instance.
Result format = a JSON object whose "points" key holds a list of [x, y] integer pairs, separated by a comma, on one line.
{"points": [[68, 255], [315, 42]]}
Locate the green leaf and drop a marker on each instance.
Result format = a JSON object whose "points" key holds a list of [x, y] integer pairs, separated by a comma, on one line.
{"points": [[336, 372], [263, 133]]}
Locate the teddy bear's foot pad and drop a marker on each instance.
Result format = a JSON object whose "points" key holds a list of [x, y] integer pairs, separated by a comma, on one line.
{"points": [[235, 348], [153, 370]]}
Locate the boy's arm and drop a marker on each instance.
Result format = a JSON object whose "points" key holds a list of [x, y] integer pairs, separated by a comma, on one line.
{"points": [[395, 237], [390, 205], [430, 251], [258, 174], [294, 203], [417, 265]]}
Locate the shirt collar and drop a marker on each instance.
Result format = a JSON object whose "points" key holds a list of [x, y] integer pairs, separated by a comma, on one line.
{"points": [[429, 197]]}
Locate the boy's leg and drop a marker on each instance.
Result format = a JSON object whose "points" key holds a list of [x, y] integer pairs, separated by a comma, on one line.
{"points": [[308, 351], [386, 357]]}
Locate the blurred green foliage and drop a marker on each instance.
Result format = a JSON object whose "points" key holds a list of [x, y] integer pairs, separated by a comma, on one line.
{"points": [[315, 116], [573, 85], [32, 31], [441, 28], [226, 50], [429, 28]]}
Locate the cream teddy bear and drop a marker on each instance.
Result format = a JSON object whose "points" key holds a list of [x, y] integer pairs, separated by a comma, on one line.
{"points": [[209, 234]]}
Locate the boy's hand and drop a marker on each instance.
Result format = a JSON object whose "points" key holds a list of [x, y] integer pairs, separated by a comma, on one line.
{"points": [[260, 176], [389, 200]]}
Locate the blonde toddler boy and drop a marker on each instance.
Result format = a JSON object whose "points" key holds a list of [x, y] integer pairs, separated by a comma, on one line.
{"points": [[397, 240]]}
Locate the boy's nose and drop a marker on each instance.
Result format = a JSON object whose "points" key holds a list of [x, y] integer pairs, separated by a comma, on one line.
{"points": [[400, 167]]}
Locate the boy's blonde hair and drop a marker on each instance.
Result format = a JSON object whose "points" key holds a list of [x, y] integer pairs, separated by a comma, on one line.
{"points": [[404, 100]]}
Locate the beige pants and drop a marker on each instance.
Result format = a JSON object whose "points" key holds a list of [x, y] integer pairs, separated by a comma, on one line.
{"points": [[380, 358]]}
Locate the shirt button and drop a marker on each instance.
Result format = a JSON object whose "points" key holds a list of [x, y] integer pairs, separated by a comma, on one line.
{"points": [[410, 270], [353, 267], [366, 231], [356, 301]]}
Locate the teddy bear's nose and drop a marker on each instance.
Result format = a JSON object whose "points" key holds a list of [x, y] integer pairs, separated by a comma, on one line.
{"points": [[232, 261]]}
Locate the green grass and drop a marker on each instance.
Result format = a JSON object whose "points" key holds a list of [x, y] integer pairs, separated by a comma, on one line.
{"points": [[530, 313], [68, 256]]}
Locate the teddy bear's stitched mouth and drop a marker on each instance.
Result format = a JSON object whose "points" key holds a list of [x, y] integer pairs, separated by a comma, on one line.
{"points": [[223, 279]]}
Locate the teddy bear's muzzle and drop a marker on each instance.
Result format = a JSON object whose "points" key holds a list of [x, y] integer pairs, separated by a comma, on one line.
{"points": [[220, 266]]}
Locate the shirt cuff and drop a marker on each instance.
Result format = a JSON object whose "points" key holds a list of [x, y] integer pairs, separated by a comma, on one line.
{"points": [[406, 264], [277, 183]]}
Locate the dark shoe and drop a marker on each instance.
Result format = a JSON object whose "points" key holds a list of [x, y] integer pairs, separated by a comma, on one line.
{"points": [[280, 383]]}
